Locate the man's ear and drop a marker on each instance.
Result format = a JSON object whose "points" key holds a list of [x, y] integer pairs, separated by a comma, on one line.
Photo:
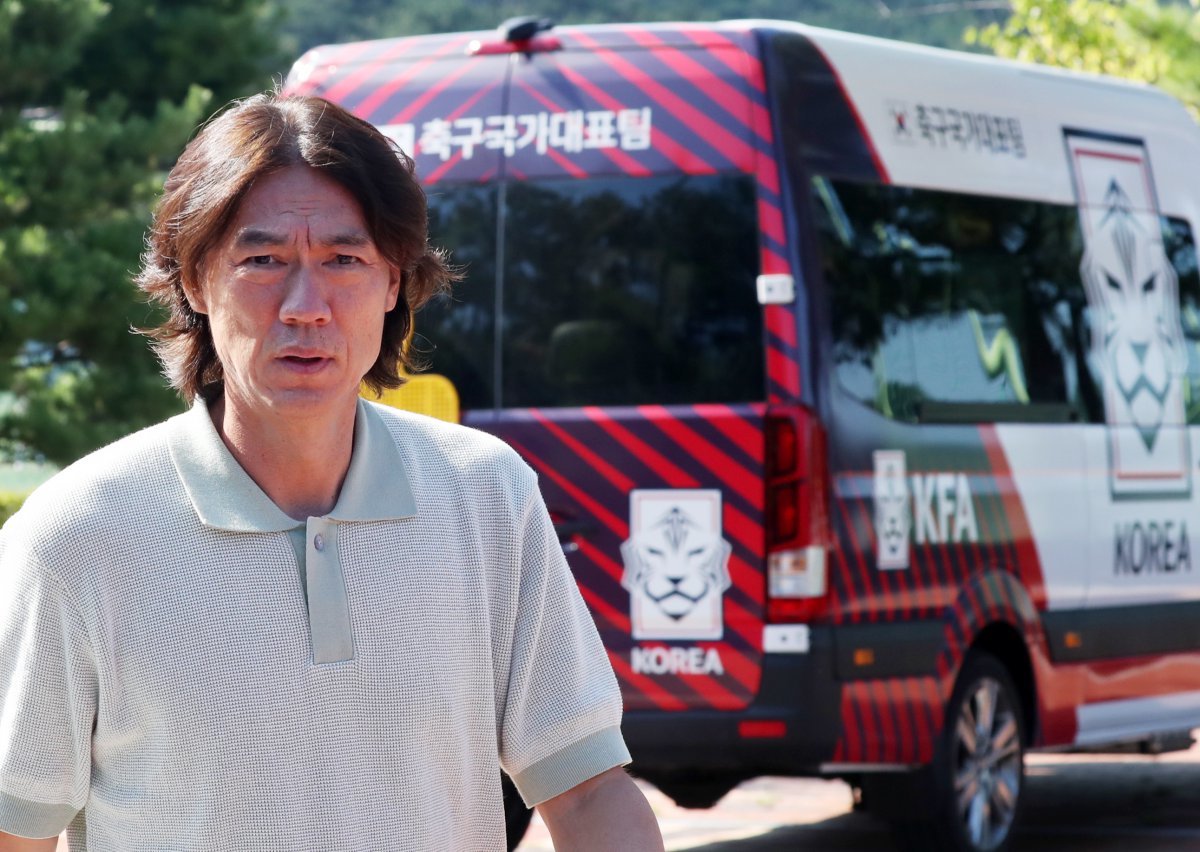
{"points": [[393, 292], [194, 293]]}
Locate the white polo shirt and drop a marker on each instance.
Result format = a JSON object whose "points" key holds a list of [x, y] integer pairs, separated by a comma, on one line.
{"points": [[172, 677]]}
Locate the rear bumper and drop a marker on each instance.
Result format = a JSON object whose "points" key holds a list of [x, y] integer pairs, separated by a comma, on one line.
{"points": [[800, 690]]}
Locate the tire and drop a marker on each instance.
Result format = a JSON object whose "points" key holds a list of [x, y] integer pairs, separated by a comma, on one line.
{"points": [[516, 815], [982, 770], [969, 798]]}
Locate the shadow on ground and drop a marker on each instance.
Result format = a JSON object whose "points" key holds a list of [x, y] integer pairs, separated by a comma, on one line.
{"points": [[1076, 804], [854, 832]]}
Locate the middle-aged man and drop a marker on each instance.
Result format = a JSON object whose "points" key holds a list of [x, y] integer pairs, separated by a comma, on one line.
{"points": [[289, 619]]}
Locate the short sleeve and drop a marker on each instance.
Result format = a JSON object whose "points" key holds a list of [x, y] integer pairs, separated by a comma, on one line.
{"points": [[562, 713], [48, 690]]}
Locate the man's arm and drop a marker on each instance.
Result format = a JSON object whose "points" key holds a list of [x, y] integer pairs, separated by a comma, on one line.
{"points": [[604, 814], [12, 843]]}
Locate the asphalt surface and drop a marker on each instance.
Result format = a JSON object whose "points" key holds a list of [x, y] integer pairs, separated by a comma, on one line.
{"points": [[1074, 803]]}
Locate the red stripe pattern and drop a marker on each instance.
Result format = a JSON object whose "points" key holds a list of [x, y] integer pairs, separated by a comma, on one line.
{"points": [[588, 461]]}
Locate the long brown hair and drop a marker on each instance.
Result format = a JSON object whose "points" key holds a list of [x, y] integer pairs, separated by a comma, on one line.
{"points": [[254, 138]]}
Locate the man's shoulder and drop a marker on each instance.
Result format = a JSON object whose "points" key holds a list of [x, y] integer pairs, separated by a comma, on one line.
{"points": [[100, 489]]}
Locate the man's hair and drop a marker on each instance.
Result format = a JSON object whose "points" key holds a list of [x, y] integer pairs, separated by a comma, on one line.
{"points": [[257, 137]]}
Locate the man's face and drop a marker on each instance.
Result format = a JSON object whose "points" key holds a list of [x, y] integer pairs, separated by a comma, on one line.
{"points": [[295, 294]]}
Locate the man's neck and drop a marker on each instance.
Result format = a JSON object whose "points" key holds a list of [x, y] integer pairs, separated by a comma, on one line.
{"points": [[300, 463]]}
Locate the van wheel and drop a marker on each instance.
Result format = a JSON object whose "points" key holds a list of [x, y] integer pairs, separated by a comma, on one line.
{"points": [[978, 766], [516, 815]]}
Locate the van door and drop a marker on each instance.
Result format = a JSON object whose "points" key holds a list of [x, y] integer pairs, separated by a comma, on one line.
{"points": [[632, 357]]}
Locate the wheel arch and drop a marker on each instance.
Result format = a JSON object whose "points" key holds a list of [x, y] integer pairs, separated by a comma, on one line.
{"points": [[993, 612], [1004, 642]]}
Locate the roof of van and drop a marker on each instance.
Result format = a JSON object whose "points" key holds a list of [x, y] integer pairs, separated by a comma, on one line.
{"points": [[672, 34]]}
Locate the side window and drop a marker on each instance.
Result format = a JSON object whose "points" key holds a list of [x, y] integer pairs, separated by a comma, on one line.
{"points": [[455, 334], [1181, 249], [628, 291], [954, 308]]}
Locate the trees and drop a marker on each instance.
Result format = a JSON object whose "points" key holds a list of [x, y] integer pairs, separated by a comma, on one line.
{"points": [[1136, 39], [95, 102]]}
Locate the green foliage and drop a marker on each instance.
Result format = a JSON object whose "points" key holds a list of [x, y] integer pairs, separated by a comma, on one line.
{"points": [[1137, 39], [148, 51], [96, 100], [39, 42], [9, 503]]}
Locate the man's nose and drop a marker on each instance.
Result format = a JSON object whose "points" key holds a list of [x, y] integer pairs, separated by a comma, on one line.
{"points": [[304, 298]]}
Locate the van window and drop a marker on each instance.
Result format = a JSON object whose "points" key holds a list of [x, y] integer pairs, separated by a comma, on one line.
{"points": [[1181, 249], [455, 335], [626, 291], [955, 308], [616, 291]]}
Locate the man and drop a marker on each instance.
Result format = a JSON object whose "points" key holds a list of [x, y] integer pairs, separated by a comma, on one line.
{"points": [[289, 619]]}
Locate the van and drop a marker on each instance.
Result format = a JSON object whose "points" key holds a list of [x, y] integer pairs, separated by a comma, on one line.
{"points": [[862, 380]]}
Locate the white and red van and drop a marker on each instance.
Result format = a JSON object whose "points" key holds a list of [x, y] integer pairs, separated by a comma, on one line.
{"points": [[863, 380]]}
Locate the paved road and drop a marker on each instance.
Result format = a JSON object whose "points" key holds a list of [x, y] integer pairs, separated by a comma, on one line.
{"points": [[1075, 803]]}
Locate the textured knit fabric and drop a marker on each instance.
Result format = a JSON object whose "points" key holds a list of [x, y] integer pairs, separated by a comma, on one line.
{"points": [[161, 682]]}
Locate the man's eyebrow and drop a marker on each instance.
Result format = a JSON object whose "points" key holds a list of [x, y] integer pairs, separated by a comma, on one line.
{"points": [[259, 237], [354, 239], [252, 237]]}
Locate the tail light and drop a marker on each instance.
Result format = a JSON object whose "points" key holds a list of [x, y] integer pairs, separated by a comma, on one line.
{"points": [[797, 524]]}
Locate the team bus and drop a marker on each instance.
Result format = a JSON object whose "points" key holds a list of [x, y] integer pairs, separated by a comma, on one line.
{"points": [[862, 380]]}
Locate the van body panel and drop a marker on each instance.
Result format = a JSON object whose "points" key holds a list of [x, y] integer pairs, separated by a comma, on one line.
{"points": [[594, 465], [797, 689], [994, 127], [1049, 469], [664, 108], [822, 131], [966, 518]]}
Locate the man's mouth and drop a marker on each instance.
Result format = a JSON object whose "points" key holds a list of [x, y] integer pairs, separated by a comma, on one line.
{"points": [[304, 363]]}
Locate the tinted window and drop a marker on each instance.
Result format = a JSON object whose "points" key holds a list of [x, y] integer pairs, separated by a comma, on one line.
{"points": [[616, 291], [456, 334], [1181, 249], [954, 307], [625, 291]]}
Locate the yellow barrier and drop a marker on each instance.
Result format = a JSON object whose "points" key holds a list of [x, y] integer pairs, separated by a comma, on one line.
{"points": [[426, 393]]}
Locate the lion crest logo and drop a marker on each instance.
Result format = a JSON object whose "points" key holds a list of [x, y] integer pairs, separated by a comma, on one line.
{"points": [[676, 564], [1138, 348], [1132, 286]]}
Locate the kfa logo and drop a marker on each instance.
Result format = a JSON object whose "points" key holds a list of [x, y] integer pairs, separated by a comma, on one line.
{"points": [[933, 508], [1138, 348], [893, 522], [676, 564]]}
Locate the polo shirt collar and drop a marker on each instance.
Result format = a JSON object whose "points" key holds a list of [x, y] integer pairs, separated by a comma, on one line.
{"points": [[376, 486], [224, 496]]}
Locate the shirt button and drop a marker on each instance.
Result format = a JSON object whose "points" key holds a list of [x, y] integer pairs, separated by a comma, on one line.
{"points": [[319, 541]]}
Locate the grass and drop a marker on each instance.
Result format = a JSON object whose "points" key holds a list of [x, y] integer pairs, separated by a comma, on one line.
{"points": [[10, 501], [16, 481]]}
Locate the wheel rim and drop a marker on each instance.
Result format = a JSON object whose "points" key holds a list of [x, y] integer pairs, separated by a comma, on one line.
{"points": [[987, 779]]}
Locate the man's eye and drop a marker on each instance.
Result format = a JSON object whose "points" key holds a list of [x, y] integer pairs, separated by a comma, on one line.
{"points": [[346, 259], [261, 259]]}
